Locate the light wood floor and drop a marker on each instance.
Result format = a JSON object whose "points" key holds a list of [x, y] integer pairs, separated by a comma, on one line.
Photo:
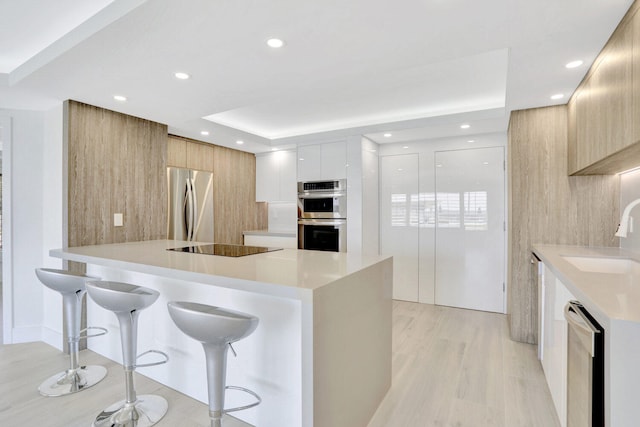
{"points": [[451, 367], [454, 367], [24, 366]]}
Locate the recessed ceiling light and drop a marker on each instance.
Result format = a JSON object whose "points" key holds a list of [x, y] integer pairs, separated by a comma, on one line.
{"points": [[405, 147], [400, 169], [557, 96], [471, 140], [574, 64], [301, 158], [239, 142], [485, 163], [465, 126], [438, 165], [274, 149], [182, 76], [204, 132], [387, 135], [275, 43], [120, 98]]}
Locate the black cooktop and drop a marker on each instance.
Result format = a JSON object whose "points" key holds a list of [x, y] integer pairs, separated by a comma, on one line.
{"points": [[224, 249]]}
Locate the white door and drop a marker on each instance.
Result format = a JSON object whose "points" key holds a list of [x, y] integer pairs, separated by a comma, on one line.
{"points": [[470, 214], [399, 221]]}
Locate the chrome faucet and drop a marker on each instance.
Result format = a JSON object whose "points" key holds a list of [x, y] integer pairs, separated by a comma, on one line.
{"points": [[624, 221]]}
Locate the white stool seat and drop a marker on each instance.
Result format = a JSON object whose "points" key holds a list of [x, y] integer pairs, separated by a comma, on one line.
{"points": [[216, 328], [77, 378], [120, 297], [209, 324], [63, 281], [126, 301]]}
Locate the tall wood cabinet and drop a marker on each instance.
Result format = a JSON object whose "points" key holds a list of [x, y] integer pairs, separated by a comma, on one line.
{"points": [[235, 208]]}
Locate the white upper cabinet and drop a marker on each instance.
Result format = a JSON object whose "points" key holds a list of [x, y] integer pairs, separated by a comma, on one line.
{"points": [[322, 161], [276, 177]]}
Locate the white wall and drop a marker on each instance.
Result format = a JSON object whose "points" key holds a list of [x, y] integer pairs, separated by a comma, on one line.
{"points": [[629, 191], [32, 179], [426, 158], [53, 212]]}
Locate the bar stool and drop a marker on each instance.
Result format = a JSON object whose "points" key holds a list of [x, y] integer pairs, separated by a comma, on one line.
{"points": [[76, 378], [126, 301], [216, 328]]}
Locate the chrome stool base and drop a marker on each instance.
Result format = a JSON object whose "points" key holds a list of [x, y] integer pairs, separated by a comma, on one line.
{"points": [[146, 411], [72, 380]]}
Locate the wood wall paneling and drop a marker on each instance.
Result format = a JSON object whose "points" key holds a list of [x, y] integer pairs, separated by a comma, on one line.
{"points": [[234, 194], [548, 207], [116, 164]]}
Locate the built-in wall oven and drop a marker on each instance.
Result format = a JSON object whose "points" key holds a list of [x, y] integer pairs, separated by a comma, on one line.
{"points": [[322, 215], [585, 368]]}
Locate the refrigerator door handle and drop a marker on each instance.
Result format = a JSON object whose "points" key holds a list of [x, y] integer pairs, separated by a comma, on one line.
{"points": [[194, 209], [188, 210]]}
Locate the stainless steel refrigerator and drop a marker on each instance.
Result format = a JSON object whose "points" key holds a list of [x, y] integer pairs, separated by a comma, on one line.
{"points": [[190, 205]]}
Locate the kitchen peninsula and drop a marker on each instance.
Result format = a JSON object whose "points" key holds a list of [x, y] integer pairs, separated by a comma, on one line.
{"points": [[321, 355]]}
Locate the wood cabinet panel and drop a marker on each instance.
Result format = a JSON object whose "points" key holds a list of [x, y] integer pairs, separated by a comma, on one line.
{"points": [[176, 152], [605, 105], [234, 195], [200, 156], [548, 207], [188, 153], [572, 136], [635, 30]]}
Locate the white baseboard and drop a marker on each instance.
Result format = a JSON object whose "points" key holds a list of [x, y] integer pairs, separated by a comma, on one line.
{"points": [[52, 337], [36, 333]]}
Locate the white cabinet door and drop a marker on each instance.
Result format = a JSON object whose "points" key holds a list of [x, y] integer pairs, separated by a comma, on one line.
{"points": [[267, 178], [333, 163], [322, 161], [288, 181], [554, 360], [309, 161], [276, 177], [399, 221]]}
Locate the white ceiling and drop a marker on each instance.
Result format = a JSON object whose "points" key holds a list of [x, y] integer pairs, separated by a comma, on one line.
{"points": [[417, 68]]}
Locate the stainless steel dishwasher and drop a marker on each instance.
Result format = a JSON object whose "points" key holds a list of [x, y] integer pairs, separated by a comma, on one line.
{"points": [[585, 368]]}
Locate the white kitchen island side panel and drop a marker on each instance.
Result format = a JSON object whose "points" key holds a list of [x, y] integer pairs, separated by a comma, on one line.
{"points": [[269, 361]]}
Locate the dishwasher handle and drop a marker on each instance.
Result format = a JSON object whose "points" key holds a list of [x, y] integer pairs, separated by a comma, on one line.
{"points": [[574, 316]]}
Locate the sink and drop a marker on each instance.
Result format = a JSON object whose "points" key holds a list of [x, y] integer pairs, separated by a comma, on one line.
{"points": [[604, 265]]}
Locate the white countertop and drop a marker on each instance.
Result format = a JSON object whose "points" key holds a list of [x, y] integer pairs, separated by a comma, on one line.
{"points": [[288, 273], [616, 296], [271, 233]]}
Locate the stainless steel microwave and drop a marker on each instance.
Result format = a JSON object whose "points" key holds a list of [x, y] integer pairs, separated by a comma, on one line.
{"points": [[322, 199]]}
